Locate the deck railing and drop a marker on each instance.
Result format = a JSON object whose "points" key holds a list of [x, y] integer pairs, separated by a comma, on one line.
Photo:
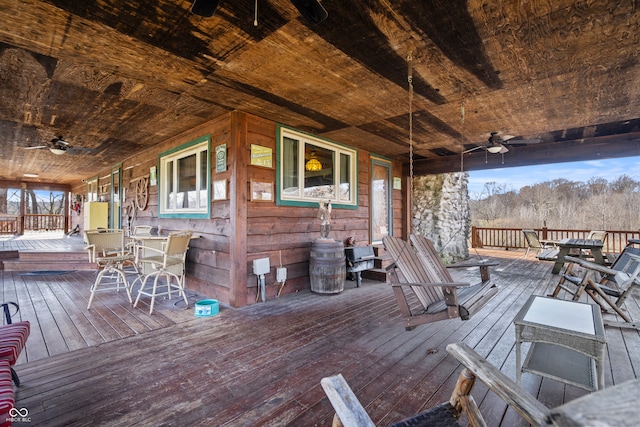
{"points": [[44, 222], [510, 238], [8, 224]]}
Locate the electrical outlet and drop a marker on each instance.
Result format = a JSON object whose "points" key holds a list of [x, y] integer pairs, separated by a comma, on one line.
{"points": [[281, 274]]}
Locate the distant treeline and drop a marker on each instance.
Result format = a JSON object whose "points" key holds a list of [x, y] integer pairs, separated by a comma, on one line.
{"points": [[560, 203]]}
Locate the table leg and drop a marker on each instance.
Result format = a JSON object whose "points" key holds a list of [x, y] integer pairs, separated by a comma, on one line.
{"points": [[560, 261], [600, 367], [597, 256]]}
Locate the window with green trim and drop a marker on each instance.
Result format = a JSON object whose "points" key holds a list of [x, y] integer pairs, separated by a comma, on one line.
{"points": [[184, 180], [312, 169]]}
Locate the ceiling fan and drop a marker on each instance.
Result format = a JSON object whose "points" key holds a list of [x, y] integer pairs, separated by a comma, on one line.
{"points": [[59, 146], [497, 144]]}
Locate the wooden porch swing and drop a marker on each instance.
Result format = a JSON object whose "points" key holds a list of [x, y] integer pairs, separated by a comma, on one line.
{"points": [[423, 272]]}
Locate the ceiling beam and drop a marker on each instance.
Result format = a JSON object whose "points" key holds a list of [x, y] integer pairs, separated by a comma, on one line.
{"points": [[627, 145]]}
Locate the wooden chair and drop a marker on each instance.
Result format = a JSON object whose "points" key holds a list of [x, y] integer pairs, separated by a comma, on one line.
{"points": [[612, 406], [423, 272], [350, 413], [107, 249], [609, 287], [545, 250], [168, 262]]}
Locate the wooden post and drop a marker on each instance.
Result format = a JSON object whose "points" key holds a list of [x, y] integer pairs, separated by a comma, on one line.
{"points": [[473, 236], [238, 207], [544, 230]]}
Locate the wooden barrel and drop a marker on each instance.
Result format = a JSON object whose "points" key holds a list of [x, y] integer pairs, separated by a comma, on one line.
{"points": [[327, 267]]}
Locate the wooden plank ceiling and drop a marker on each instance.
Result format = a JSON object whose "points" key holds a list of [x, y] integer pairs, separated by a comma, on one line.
{"points": [[116, 77]]}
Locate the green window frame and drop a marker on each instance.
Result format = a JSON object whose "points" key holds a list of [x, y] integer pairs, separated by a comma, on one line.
{"points": [[335, 177], [184, 177]]}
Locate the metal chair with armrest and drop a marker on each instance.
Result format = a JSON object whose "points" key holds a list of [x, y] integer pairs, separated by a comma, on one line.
{"points": [[108, 250], [168, 262]]}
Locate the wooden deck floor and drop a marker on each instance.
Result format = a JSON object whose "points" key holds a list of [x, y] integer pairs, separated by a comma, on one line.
{"points": [[261, 365]]}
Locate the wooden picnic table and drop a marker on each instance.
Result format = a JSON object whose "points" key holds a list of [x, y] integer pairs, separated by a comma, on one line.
{"points": [[567, 245]]}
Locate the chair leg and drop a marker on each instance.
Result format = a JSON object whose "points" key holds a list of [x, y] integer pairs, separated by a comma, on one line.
{"points": [[596, 289], [94, 287], [153, 293], [14, 377], [113, 273], [122, 276], [182, 292], [141, 290]]}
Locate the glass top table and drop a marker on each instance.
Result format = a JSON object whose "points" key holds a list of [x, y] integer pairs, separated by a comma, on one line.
{"points": [[568, 341]]}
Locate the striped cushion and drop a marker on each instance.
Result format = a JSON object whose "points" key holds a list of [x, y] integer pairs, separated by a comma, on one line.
{"points": [[13, 338], [7, 397]]}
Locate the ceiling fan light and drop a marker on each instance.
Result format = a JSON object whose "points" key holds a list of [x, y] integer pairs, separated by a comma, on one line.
{"points": [[57, 151], [495, 149]]}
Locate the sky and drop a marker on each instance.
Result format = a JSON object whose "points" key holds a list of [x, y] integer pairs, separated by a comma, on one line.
{"points": [[518, 177]]}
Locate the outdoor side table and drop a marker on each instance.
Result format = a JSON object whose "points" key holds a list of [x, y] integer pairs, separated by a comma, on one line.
{"points": [[567, 341]]}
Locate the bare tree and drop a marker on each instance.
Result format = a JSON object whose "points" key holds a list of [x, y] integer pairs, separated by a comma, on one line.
{"points": [[560, 203]]}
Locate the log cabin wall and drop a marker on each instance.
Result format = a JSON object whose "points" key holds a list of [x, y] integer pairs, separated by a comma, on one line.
{"points": [[239, 230]]}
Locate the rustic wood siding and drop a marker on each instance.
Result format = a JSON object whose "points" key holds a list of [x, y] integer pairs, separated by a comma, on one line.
{"points": [[240, 230]]}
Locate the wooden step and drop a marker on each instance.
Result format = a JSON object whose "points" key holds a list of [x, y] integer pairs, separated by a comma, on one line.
{"points": [[17, 265], [9, 254], [43, 260], [47, 255]]}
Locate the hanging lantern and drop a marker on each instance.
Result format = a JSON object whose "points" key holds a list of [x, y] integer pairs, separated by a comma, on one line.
{"points": [[313, 165]]}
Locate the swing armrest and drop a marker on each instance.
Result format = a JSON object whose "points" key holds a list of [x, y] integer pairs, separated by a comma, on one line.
{"points": [[473, 264], [434, 285]]}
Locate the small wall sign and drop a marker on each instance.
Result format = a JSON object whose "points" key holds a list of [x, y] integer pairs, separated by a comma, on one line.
{"points": [[397, 183], [220, 189], [221, 158], [153, 177], [261, 156], [261, 191]]}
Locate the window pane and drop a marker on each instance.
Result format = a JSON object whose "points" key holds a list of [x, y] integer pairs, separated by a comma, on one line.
{"points": [[319, 172], [203, 188], [185, 178], [171, 197], [345, 176], [379, 202], [187, 181], [290, 167], [311, 169]]}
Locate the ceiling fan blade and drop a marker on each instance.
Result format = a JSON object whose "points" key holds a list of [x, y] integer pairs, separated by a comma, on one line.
{"points": [[523, 141], [33, 148], [503, 150], [80, 150]]}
